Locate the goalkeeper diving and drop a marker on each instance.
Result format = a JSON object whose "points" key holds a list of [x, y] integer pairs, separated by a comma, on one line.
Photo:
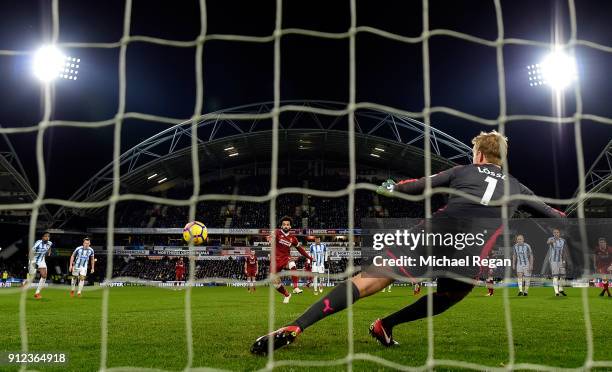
{"points": [[483, 179]]}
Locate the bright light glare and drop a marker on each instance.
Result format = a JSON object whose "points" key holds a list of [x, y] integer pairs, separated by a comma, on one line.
{"points": [[48, 62], [558, 70]]}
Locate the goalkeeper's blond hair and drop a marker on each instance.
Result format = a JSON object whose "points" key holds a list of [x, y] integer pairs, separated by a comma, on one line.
{"points": [[492, 145]]}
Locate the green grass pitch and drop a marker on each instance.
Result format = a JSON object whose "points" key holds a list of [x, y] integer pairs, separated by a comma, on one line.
{"points": [[147, 328]]}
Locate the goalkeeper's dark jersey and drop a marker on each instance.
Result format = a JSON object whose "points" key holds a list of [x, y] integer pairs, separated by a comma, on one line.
{"points": [[486, 183]]}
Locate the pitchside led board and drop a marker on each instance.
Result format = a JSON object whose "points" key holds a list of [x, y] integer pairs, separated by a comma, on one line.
{"points": [[471, 248]]}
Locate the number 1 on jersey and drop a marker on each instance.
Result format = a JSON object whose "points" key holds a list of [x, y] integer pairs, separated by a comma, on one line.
{"points": [[488, 194]]}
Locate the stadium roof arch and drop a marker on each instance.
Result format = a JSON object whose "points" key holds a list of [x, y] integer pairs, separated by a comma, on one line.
{"points": [[15, 188], [226, 139], [597, 180]]}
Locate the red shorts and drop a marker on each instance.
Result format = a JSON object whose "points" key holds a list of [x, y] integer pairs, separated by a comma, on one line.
{"points": [[281, 263], [180, 275], [251, 272]]}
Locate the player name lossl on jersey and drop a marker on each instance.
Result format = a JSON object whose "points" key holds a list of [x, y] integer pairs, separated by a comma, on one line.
{"points": [[491, 173], [443, 261]]}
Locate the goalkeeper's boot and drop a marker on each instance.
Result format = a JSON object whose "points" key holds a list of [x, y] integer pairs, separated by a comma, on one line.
{"points": [[286, 299], [379, 332], [281, 337], [387, 188], [37, 296]]}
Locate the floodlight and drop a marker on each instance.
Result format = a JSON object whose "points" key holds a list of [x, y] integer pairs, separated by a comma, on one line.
{"points": [[48, 62], [558, 70]]}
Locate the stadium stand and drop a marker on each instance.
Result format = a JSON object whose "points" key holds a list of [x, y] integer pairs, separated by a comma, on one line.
{"points": [[306, 211]]}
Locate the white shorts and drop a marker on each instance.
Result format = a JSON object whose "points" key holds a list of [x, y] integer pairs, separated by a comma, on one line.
{"points": [[40, 265], [523, 270], [318, 269], [79, 271], [557, 268]]}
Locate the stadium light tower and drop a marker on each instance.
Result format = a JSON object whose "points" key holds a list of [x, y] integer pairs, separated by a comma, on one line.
{"points": [[557, 70], [50, 63]]}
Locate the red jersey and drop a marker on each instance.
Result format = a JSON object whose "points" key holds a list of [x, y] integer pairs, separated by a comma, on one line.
{"points": [[603, 260], [284, 242], [180, 267], [251, 263]]}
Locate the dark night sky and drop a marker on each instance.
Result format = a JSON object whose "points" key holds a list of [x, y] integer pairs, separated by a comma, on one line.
{"points": [[161, 80]]}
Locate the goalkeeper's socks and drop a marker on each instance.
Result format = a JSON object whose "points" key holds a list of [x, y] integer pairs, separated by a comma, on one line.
{"points": [[418, 309], [334, 302]]}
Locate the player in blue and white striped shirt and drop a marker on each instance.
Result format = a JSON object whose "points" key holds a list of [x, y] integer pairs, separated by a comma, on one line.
{"points": [[522, 261], [318, 252], [40, 250], [557, 256], [78, 265]]}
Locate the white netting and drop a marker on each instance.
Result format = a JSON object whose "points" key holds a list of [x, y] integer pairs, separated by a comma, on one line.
{"points": [[425, 115]]}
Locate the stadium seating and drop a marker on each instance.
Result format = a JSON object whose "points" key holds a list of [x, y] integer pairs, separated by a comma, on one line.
{"points": [[316, 212]]}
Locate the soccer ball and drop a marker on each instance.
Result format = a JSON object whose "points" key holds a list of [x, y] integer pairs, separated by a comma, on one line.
{"points": [[195, 232]]}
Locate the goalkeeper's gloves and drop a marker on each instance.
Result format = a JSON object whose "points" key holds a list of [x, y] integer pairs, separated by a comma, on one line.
{"points": [[386, 188]]}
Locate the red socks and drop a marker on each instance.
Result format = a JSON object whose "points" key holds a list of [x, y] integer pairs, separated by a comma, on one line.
{"points": [[282, 291], [294, 279]]}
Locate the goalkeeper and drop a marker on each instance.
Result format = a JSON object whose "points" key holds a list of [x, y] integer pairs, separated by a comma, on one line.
{"points": [[484, 180]]}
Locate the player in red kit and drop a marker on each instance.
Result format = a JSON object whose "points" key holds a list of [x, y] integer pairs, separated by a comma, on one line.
{"points": [[284, 241], [251, 267], [179, 270], [603, 257], [603, 264], [490, 284], [605, 287]]}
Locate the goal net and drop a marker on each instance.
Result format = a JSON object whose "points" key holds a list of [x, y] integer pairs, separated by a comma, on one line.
{"points": [[118, 122]]}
